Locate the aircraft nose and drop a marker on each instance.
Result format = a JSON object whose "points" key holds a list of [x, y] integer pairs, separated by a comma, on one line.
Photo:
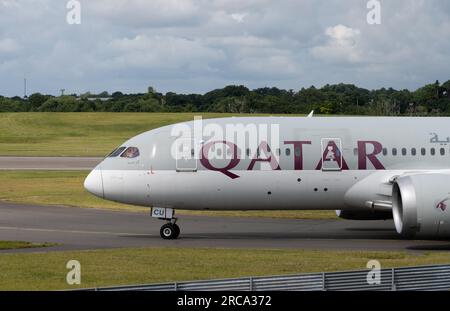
{"points": [[94, 183]]}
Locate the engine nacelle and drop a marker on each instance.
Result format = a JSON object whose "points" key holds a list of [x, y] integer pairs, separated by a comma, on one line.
{"points": [[421, 205], [364, 214]]}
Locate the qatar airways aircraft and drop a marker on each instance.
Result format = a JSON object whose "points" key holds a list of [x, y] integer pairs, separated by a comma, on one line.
{"points": [[365, 168]]}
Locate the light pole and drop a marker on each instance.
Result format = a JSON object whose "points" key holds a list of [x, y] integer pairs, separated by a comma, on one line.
{"points": [[25, 88]]}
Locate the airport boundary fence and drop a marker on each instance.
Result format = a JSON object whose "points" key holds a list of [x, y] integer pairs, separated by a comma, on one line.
{"points": [[423, 278]]}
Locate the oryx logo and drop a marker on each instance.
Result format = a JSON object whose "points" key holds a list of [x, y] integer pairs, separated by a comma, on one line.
{"points": [[441, 205]]}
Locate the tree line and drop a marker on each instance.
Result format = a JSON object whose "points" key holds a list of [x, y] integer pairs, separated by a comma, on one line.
{"points": [[348, 99]]}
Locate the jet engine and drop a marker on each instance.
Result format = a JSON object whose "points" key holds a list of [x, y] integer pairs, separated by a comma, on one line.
{"points": [[421, 205], [364, 214]]}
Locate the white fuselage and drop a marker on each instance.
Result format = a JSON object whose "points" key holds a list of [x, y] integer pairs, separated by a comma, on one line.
{"points": [[296, 164]]}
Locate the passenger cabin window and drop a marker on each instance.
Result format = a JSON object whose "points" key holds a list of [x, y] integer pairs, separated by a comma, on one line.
{"points": [[404, 151], [385, 151], [433, 151], [116, 152], [442, 151], [130, 153], [413, 151], [394, 151], [288, 152], [423, 151]]}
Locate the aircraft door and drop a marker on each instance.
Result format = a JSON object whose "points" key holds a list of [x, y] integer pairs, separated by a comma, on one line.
{"points": [[331, 149], [186, 155]]}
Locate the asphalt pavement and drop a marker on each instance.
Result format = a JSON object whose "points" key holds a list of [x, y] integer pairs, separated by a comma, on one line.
{"points": [[81, 229]]}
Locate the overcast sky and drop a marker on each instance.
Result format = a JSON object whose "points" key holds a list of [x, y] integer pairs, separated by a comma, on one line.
{"points": [[198, 45]]}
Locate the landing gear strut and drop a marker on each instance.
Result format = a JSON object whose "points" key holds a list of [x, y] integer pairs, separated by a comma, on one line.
{"points": [[170, 230]]}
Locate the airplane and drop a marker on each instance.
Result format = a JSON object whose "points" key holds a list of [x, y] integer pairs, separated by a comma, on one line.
{"points": [[364, 168]]}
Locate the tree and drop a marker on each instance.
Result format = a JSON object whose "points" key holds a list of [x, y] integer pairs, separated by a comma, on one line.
{"points": [[10, 105], [36, 100], [330, 99], [446, 89], [60, 104], [427, 96], [116, 95]]}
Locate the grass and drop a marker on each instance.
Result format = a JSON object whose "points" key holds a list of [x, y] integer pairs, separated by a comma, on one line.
{"points": [[85, 134], [47, 271], [5, 245], [78, 134], [52, 188], [66, 189]]}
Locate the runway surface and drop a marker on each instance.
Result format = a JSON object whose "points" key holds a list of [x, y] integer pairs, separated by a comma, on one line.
{"points": [[79, 229], [48, 163]]}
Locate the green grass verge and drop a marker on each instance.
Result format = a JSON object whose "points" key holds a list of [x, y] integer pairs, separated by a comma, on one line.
{"points": [[85, 134], [5, 245], [52, 188], [47, 271], [78, 134], [66, 188]]}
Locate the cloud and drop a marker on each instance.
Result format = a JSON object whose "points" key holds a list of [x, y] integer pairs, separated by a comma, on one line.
{"points": [[177, 55], [144, 13], [8, 45], [8, 3], [239, 17], [341, 46], [342, 35], [198, 45]]}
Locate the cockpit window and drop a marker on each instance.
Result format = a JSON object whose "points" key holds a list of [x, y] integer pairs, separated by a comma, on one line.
{"points": [[131, 152], [116, 152]]}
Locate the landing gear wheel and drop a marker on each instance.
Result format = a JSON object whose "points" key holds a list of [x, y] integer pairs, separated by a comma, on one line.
{"points": [[169, 232], [177, 230]]}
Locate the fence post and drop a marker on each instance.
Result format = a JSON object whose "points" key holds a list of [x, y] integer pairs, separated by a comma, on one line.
{"points": [[393, 286], [324, 288], [250, 284], [175, 286]]}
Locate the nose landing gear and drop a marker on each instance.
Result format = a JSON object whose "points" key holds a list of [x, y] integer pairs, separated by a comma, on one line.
{"points": [[170, 230]]}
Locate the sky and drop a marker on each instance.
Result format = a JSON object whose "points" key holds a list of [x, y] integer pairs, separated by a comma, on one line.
{"points": [[194, 46]]}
